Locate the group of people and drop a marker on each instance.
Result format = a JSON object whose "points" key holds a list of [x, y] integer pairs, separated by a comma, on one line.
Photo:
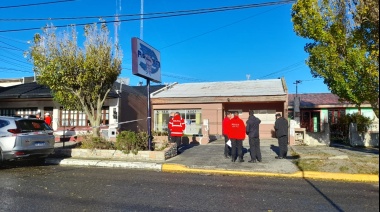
{"points": [[47, 118], [235, 131]]}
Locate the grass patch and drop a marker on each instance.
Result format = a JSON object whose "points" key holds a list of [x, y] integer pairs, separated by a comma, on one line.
{"points": [[309, 164], [344, 169]]}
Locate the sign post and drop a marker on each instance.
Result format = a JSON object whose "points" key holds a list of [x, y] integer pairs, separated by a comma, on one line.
{"points": [[146, 63]]}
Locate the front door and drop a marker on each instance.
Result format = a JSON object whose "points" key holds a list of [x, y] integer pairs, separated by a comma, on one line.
{"points": [[306, 121]]}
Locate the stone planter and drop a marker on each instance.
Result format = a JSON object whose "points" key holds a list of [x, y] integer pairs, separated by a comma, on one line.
{"points": [[163, 155]]}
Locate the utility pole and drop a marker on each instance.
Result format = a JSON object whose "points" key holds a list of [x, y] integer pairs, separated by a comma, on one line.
{"points": [[297, 82], [141, 19]]}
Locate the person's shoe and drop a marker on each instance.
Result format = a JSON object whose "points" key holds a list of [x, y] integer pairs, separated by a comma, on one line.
{"points": [[259, 161], [233, 160], [241, 160], [278, 157], [227, 156], [252, 161]]}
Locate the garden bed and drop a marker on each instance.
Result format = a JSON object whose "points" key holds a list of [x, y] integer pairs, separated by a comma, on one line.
{"points": [[106, 154]]}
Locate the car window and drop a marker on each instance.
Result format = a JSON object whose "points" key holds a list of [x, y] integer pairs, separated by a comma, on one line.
{"points": [[32, 125], [3, 123]]}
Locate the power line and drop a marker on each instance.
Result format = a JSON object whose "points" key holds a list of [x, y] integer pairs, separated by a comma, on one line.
{"points": [[16, 59], [15, 40], [35, 4], [12, 63], [216, 29], [162, 16], [10, 48], [11, 45], [215, 9], [16, 70], [289, 68]]}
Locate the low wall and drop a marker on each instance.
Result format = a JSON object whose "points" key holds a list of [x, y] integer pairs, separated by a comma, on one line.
{"points": [[371, 138], [186, 140], [165, 154], [317, 139]]}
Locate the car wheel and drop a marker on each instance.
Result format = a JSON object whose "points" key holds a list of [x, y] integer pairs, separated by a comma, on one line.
{"points": [[1, 157], [40, 161]]}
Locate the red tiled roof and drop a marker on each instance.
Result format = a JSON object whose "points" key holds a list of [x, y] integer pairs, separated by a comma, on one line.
{"points": [[314, 99]]}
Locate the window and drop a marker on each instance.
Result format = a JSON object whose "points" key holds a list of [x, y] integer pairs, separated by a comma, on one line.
{"points": [[71, 118], [18, 111], [335, 114], [192, 117], [266, 116]]}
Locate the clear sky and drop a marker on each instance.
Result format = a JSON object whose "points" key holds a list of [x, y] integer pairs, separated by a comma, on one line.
{"points": [[257, 42]]}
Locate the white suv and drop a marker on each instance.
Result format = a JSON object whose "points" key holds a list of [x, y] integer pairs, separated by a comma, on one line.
{"points": [[24, 138]]}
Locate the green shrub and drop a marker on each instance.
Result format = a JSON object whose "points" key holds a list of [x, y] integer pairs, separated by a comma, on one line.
{"points": [[90, 142], [159, 133], [142, 140], [340, 130], [129, 141]]}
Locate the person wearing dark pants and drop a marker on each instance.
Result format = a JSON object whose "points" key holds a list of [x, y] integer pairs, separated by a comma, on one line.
{"points": [[283, 144], [225, 127], [237, 144], [236, 133], [254, 149], [177, 140], [252, 130], [281, 129]]}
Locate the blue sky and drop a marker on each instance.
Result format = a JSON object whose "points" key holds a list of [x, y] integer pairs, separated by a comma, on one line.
{"points": [[255, 43]]}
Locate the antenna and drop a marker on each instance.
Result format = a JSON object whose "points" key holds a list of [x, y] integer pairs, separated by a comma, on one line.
{"points": [[248, 76]]}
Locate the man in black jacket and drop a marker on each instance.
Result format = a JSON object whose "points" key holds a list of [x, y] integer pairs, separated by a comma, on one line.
{"points": [[281, 128], [252, 130]]}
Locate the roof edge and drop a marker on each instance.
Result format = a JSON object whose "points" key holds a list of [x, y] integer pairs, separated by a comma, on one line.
{"points": [[164, 88]]}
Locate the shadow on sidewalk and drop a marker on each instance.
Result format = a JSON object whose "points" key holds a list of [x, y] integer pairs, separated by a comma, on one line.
{"points": [[370, 150], [275, 149]]}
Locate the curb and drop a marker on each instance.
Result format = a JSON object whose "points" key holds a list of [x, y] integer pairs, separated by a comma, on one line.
{"points": [[177, 168], [105, 163]]}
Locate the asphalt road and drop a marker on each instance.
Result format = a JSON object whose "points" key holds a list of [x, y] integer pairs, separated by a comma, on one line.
{"points": [[58, 188]]}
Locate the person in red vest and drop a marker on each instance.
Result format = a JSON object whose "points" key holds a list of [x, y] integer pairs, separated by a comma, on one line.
{"points": [[176, 126], [225, 127], [237, 134], [47, 119]]}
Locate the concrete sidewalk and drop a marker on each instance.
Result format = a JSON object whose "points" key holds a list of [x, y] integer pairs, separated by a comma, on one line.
{"points": [[209, 159]]}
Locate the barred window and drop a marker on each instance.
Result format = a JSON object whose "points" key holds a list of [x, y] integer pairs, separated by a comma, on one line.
{"points": [[335, 114], [18, 111], [71, 118]]}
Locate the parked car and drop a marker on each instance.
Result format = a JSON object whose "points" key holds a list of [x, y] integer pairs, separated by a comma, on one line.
{"points": [[30, 116], [22, 138]]}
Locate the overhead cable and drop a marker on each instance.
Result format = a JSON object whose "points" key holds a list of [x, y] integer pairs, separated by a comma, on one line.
{"points": [[197, 12], [35, 4]]}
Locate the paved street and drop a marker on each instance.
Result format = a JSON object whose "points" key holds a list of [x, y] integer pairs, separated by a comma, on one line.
{"points": [[57, 188]]}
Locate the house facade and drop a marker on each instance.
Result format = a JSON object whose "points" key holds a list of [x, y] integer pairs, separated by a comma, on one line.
{"points": [[124, 109], [203, 105], [315, 109]]}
